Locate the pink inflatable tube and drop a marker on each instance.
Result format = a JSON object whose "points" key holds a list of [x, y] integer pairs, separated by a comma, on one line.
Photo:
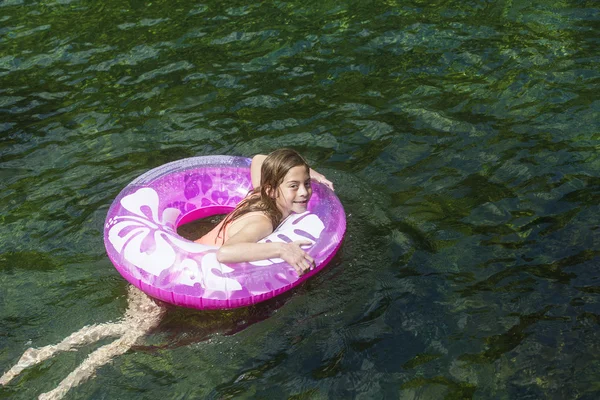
{"points": [[140, 235]]}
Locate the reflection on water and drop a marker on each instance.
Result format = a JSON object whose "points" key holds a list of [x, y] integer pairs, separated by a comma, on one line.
{"points": [[462, 138]]}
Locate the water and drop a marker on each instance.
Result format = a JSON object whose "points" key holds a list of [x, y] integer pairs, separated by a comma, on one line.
{"points": [[462, 138]]}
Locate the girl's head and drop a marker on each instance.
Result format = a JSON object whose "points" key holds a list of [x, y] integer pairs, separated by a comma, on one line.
{"points": [[277, 165], [284, 188], [285, 182]]}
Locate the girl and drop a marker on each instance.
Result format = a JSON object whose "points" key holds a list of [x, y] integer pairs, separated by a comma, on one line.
{"points": [[281, 183]]}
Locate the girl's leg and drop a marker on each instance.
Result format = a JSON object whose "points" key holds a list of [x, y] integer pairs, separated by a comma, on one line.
{"points": [[95, 360], [86, 335], [142, 314]]}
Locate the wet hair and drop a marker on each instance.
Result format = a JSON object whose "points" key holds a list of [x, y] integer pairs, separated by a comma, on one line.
{"points": [[273, 170]]}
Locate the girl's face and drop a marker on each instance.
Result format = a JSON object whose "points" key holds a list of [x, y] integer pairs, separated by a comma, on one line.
{"points": [[294, 191]]}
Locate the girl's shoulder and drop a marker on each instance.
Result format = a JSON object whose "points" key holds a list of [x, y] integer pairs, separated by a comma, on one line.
{"points": [[250, 214], [253, 220]]}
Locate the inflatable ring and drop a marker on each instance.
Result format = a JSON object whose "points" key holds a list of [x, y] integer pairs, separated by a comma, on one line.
{"points": [[140, 235]]}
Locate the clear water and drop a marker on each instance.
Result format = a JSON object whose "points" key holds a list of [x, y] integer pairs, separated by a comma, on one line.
{"points": [[462, 138]]}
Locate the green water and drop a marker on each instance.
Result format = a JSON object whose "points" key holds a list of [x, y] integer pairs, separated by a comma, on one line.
{"points": [[462, 138]]}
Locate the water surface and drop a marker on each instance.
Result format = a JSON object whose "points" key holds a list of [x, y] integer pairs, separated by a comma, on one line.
{"points": [[462, 138]]}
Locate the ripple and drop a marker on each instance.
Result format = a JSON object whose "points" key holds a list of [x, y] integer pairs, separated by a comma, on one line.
{"points": [[461, 137]]}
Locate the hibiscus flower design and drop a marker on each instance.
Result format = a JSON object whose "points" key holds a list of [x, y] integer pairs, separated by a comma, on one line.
{"points": [[146, 241], [289, 231], [195, 184]]}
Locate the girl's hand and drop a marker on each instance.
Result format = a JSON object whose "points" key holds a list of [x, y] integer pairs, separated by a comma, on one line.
{"points": [[316, 176], [293, 254]]}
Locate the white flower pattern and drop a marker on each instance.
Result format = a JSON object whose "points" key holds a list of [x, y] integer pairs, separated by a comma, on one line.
{"points": [[147, 243]]}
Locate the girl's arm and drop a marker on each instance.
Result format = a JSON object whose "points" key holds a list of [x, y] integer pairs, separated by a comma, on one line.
{"points": [[315, 176], [256, 165], [242, 246]]}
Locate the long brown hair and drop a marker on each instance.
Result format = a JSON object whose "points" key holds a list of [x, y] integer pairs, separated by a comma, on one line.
{"points": [[262, 198]]}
